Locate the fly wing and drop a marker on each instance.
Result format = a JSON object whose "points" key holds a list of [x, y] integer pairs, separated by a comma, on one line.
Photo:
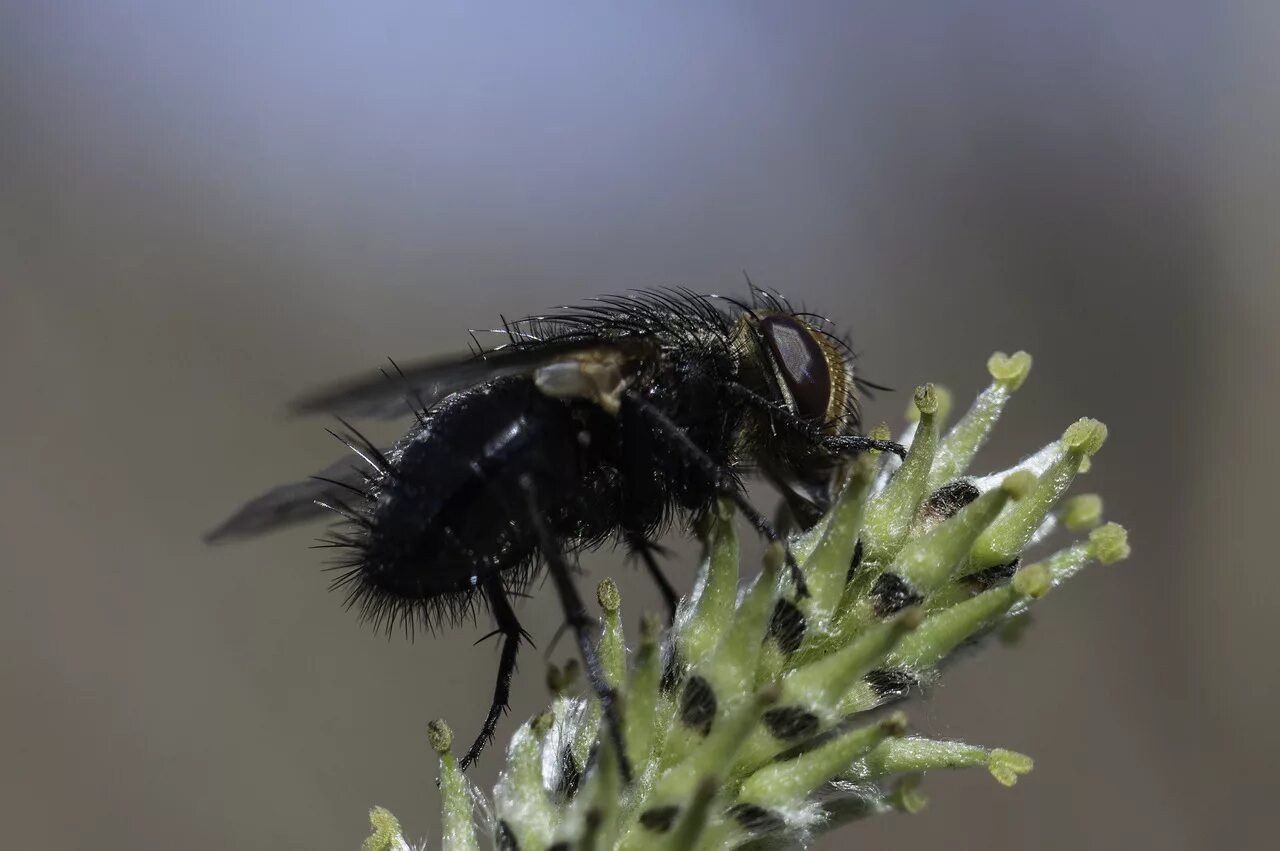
{"points": [[422, 384], [296, 502]]}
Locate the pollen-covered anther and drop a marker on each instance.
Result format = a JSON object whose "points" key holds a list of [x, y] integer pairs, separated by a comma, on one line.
{"points": [[926, 399], [1034, 581], [608, 596], [440, 735], [942, 401], [1109, 543], [386, 835], [1086, 436]]}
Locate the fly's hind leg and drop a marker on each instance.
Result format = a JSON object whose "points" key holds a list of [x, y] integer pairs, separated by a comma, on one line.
{"points": [[578, 620], [512, 634]]}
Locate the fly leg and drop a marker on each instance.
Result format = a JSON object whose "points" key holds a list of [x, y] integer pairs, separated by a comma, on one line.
{"points": [[647, 551], [837, 444], [721, 479], [578, 620], [512, 634]]}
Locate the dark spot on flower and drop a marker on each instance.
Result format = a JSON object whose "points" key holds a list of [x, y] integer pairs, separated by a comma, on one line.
{"points": [[570, 774], [672, 673], [789, 723], [659, 819], [505, 840], [559, 846], [698, 705], [854, 562], [756, 819], [948, 499], [787, 626], [890, 682], [892, 594], [984, 580]]}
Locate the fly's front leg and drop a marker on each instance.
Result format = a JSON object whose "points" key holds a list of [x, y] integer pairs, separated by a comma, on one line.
{"points": [[780, 417]]}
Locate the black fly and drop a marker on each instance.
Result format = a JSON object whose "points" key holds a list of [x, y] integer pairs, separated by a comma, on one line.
{"points": [[601, 423]]}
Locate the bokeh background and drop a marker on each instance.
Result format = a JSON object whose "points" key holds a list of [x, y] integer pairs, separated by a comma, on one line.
{"points": [[205, 207]]}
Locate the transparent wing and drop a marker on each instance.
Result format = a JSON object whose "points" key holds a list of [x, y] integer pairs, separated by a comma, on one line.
{"points": [[389, 394], [295, 502]]}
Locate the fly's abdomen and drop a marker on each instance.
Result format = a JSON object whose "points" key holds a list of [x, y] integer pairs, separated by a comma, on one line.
{"points": [[451, 512]]}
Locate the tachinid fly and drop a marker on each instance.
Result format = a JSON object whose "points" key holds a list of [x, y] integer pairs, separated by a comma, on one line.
{"points": [[599, 423]]}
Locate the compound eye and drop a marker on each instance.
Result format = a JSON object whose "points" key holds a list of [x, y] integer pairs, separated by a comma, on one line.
{"points": [[800, 359]]}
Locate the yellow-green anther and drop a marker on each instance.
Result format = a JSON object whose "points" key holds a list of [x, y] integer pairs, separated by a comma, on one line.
{"points": [[1009, 370], [440, 735], [1006, 537], [930, 560], [1033, 581], [608, 596], [906, 795], [386, 835], [962, 442], [890, 513], [1081, 513], [613, 650], [944, 398], [941, 633], [1110, 543], [709, 608], [1086, 436], [1006, 766], [642, 693], [459, 830], [827, 567], [520, 792], [788, 782]]}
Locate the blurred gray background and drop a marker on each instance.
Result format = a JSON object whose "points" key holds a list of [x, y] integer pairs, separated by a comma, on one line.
{"points": [[206, 207]]}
